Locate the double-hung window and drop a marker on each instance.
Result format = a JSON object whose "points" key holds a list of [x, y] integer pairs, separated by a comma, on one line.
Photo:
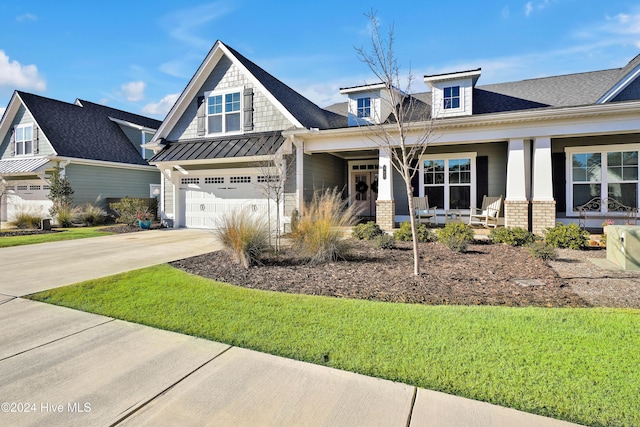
{"points": [[223, 112], [451, 97], [364, 107], [23, 140], [606, 172], [449, 181]]}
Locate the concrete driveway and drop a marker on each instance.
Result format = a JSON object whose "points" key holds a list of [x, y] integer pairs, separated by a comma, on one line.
{"points": [[62, 367], [34, 268]]}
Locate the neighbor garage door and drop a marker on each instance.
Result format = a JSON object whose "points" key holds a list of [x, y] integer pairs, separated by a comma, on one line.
{"points": [[27, 196], [207, 198]]}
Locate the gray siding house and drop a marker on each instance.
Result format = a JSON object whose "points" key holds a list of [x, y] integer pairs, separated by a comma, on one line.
{"points": [[547, 145], [99, 148]]}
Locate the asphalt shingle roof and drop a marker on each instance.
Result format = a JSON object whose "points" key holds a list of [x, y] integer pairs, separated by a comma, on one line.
{"points": [[85, 131], [556, 91], [307, 113]]}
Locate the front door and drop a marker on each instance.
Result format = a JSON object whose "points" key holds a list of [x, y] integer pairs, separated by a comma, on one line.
{"points": [[364, 187]]}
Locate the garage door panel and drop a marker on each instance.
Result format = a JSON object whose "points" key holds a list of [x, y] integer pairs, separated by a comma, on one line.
{"points": [[206, 203]]}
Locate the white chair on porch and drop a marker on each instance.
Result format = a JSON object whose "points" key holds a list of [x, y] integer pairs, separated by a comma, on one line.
{"points": [[487, 215], [424, 213]]}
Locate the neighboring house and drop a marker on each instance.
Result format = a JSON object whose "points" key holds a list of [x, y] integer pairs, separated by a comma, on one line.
{"points": [[99, 148], [547, 144]]}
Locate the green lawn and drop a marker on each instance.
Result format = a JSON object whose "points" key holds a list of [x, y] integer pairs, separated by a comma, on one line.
{"points": [[63, 234], [581, 365]]}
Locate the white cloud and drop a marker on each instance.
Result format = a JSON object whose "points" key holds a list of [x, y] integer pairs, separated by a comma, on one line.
{"points": [[15, 75], [162, 107], [134, 91], [528, 8], [26, 17], [184, 24], [2, 110]]}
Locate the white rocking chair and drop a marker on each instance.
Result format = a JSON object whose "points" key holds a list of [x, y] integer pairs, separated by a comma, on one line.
{"points": [[424, 213], [487, 215]]}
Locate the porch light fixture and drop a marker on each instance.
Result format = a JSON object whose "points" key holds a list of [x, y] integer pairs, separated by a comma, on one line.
{"points": [[384, 172]]}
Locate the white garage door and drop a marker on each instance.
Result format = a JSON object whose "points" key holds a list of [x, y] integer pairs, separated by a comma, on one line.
{"points": [[27, 196], [207, 198]]}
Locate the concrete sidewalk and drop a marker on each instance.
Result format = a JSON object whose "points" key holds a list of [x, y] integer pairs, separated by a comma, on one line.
{"points": [[64, 367], [34, 268], [61, 367]]}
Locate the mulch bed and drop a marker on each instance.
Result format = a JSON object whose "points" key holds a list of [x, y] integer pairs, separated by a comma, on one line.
{"points": [[485, 275]]}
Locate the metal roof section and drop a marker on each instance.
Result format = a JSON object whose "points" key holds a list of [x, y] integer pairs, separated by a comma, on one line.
{"points": [[257, 144], [22, 166]]}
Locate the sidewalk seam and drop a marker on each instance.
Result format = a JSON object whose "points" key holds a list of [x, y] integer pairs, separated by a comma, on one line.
{"points": [[166, 390], [413, 404], [10, 299], [57, 339]]}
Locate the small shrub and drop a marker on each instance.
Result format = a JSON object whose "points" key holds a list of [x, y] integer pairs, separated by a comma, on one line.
{"points": [[542, 250], [93, 215], [567, 236], [456, 236], [384, 241], [27, 217], [317, 236], [404, 233], [243, 235], [128, 210], [516, 236], [368, 231]]}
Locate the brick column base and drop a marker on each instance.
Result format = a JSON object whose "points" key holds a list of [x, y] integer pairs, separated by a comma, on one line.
{"points": [[543, 215], [516, 213], [386, 214]]}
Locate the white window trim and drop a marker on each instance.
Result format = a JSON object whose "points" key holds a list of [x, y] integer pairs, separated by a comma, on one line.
{"points": [[569, 151], [460, 95], [446, 157], [369, 116], [15, 140], [224, 92]]}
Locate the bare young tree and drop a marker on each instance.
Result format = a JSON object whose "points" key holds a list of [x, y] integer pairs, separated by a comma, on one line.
{"points": [[273, 177], [405, 135]]}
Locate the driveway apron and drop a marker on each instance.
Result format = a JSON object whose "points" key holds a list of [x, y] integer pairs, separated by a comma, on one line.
{"points": [[34, 268]]}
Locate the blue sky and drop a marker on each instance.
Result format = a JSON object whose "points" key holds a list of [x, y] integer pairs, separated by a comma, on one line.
{"points": [[139, 55]]}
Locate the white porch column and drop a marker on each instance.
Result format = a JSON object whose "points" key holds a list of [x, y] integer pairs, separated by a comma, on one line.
{"points": [[177, 203], [543, 204], [518, 184], [299, 144], [385, 204], [542, 182], [385, 177]]}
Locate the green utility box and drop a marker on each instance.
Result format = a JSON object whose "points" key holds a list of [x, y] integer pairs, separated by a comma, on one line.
{"points": [[623, 246]]}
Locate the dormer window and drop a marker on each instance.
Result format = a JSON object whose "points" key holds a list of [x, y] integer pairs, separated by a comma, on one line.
{"points": [[451, 97], [223, 112], [23, 140], [364, 107]]}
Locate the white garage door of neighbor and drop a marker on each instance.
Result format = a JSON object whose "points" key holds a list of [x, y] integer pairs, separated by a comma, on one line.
{"points": [[205, 202], [27, 196]]}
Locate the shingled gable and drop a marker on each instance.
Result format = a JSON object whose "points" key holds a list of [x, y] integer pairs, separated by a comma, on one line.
{"points": [[299, 110], [84, 130]]}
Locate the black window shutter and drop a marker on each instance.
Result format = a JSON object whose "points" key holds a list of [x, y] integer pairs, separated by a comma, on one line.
{"points": [[482, 178], [12, 142], [36, 141], [248, 109], [415, 180], [201, 115], [559, 177]]}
